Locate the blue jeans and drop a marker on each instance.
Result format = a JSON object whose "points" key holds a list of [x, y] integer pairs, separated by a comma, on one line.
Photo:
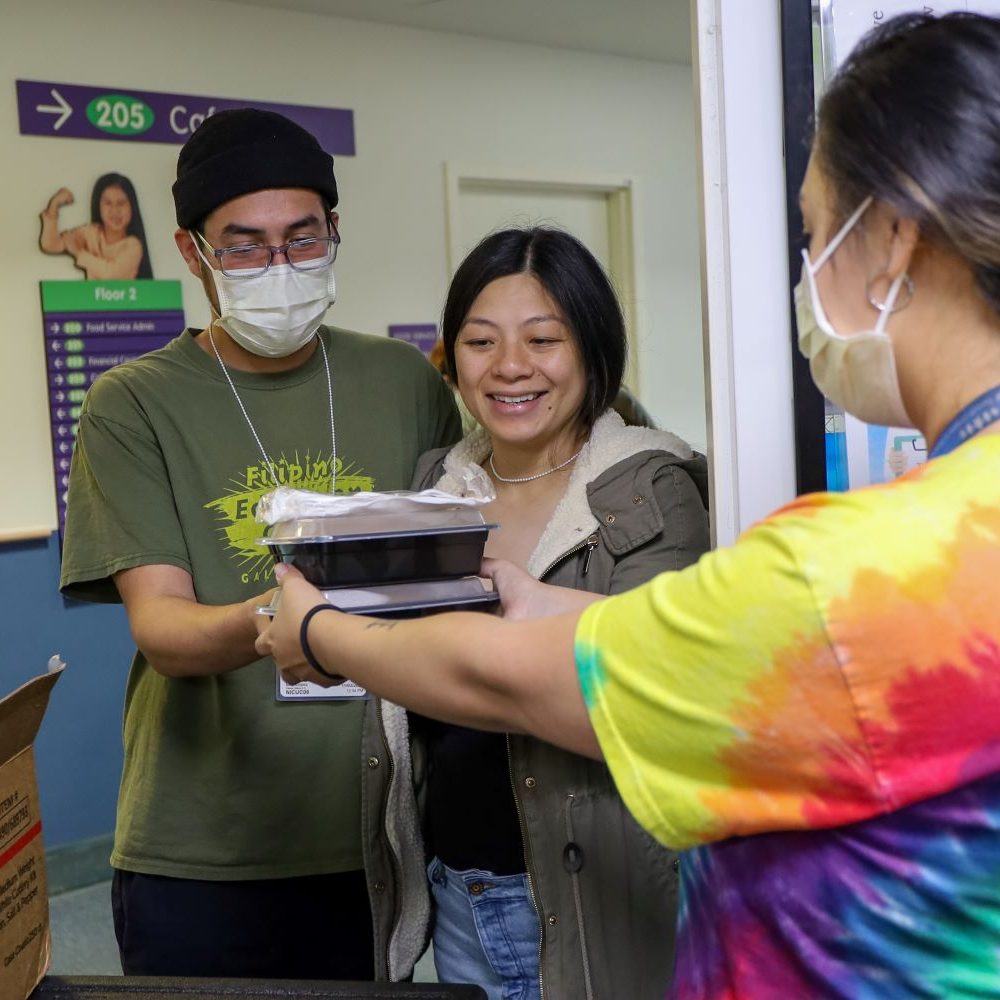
{"points": [[486, 931]]}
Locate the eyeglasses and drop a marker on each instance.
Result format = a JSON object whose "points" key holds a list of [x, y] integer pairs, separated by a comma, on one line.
{"points": [[252, 260]]}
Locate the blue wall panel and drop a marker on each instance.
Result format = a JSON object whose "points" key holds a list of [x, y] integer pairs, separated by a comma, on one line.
{"points": [[78, 751]]}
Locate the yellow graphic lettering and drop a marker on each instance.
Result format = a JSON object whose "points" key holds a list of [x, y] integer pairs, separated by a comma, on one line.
{"points": [[235, 512]]}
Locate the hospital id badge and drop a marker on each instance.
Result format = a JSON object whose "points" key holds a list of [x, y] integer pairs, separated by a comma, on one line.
{"points": [[307, 691]]}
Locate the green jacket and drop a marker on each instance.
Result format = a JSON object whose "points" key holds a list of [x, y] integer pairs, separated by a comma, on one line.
{"points": [[606, 892]]}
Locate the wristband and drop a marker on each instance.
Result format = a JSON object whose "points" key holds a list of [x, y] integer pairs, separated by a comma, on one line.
{"points": [[304, 641]]}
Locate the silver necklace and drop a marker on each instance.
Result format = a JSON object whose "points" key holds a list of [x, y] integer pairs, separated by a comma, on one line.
{"points": [[253, 430], [537, 475]]}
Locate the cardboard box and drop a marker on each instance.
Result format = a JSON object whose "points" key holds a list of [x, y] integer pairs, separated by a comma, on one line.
{"points": [[25, 943]]}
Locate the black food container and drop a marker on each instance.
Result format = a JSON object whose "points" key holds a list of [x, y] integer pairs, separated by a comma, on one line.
{"points": [[352, 550], [407, 600]]}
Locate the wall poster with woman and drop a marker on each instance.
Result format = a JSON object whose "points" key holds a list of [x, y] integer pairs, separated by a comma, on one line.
{"points": [[112, 245], [115, 314]]}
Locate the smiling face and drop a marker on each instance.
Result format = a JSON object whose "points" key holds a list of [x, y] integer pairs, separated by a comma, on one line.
{"points": [[519, 368], [116, 210]]}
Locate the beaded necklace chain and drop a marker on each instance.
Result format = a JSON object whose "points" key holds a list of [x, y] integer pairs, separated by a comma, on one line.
{"points": [[537, 475], [253, 430]]}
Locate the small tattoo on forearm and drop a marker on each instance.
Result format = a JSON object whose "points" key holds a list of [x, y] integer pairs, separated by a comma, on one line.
{"points": [[380, 624]]}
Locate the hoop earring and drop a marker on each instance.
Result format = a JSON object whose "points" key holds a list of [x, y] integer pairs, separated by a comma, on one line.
{"points": [[900, 303]]}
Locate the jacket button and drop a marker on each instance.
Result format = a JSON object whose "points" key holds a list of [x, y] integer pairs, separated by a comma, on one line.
{"points": [[638, 499], [380, 886], [476, 888], [677, 864], [610, 519], [373, 762], [553, 920], [530, 782]]}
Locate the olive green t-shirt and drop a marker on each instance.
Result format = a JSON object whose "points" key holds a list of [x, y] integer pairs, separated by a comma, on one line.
{"points": [[221, 780]]}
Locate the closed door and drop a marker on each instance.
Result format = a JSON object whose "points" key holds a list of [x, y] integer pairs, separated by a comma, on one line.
{"points": [[488, 206]]}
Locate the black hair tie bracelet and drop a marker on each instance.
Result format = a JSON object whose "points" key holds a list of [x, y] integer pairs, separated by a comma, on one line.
{"points": [[304, 641]]}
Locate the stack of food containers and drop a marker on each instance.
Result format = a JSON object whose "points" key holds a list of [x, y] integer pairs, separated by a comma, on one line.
{"points": [[392, 561]]}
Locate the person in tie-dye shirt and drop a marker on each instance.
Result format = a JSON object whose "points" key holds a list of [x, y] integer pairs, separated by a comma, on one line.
{"points": [[814, 711]]}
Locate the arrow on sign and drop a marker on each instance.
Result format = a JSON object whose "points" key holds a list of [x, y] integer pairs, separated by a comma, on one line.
{"points": [[60, 108]]}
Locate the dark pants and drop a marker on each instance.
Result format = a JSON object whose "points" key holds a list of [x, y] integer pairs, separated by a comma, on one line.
{"points": [[314, 927]]}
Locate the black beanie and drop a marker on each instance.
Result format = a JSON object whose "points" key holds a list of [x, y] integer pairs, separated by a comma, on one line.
{"points": [[233, 153]]}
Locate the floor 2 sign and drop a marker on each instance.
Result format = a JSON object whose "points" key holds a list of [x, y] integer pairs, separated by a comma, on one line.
{"points": [[91, 326]]}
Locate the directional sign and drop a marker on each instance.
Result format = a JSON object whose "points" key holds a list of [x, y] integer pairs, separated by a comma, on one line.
{"points": [[58, 107], [71, 111], [89, 327]]}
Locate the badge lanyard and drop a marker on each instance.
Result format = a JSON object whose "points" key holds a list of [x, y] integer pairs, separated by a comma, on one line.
{"points": [[981, 412]]}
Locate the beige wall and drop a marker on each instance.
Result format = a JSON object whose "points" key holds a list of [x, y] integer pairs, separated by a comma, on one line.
{"points": [[420, 99]]}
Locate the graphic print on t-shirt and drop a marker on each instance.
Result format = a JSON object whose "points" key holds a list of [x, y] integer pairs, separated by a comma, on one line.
{"points": [[238, 529]]}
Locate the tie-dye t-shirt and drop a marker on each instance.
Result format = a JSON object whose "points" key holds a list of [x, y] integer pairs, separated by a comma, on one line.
{"points": [[815, 711]]}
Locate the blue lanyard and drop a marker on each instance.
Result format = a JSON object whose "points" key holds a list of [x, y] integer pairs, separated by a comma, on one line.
{"points": [[983, 410]]}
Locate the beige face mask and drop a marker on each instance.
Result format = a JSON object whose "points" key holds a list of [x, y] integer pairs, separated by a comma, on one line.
{"points": [[856, 371]]}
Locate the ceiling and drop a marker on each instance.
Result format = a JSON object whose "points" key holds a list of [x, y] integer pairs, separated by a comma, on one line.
{"points": [[639, 29]]}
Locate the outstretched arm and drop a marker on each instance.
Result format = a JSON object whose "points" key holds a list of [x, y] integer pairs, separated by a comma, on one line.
{"points": [[468, 668]]}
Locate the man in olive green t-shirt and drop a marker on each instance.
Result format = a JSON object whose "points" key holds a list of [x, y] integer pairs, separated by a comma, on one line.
{"points": [[239, 811]]}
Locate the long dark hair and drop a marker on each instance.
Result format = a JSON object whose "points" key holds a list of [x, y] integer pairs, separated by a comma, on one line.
{"points": [[574, 280], [135, 226], [913, 118]]}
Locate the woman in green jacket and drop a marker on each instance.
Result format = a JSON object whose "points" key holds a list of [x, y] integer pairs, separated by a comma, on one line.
{"points": [[542, 882]]}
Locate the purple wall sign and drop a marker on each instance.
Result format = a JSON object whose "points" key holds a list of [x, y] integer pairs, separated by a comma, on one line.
{"points": [[70, 111], [91, 326], [422, 335]]}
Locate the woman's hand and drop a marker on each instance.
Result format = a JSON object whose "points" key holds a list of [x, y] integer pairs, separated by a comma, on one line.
{"points": [[523, 597], [278, 637]]}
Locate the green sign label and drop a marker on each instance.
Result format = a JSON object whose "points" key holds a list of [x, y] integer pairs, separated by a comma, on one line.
{"points": [[108, 296], [120, 115]]}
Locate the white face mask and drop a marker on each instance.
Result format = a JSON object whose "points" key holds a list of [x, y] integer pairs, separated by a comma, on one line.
{"points": [[858, 371], [275, 313]]}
